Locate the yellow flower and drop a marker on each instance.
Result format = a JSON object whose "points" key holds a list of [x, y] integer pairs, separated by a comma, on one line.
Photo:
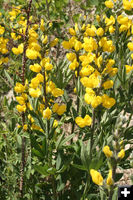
{"points": [[109, 21], [77, 45], [91, 82], [19, 88], [96, 177], [56, 92], [45, 39], [74, 65], [107, 102], [31, 118], [61, 109], [111, 29], [121, 154], [109, 4], [40, 78], [54, 42], [55, 124], [20, 100], [127, 5], [35, 68], [42, 25], [109, 178], [80, 122], [130, 46], [25, 127], [21, 108], [75, 90], [31, 54], [128, 68], [71, 56], [2, 30], [66, 45], [90, 31], [47, 113], [55, 107], [48, 66], [108, 84], [96, 101], [87, 120], [34, 83], [98, 18], [107, 151], [34, 92], [72, 31], [100, 32]]}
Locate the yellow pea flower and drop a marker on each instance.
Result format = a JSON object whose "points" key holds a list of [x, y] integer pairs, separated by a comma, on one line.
{"points": [[34, 92], [40, 77], [100, 32], [121, 154], [35, 68], [21, 108], [109, 178], [77, 45], [72, 31], [80, 122], [61, 109], [31, 54], [20, 100], [108, 84], [96, 177], [128, 68], [107, 151], [54, 42], [66, 45], [47, 113], [2, 30], [48, 66], [55, 124], [127, 5], [109, 4], [25, 127], [71, 56], [74, 65], [107, 102], [96, 101], [19, 88], [130, 46], [87, 120], [56, 92]]}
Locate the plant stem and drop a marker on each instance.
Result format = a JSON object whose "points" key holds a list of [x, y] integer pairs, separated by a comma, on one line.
{"points": [[21, 188], [45, 94], [92, 131]]}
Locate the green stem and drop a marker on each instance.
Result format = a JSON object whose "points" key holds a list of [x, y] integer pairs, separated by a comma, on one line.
{"points": [[92, 132]]}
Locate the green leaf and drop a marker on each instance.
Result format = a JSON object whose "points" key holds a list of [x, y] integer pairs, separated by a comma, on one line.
{"points": [[81, 167], [35, 144], [58, 161], [42, 169], [85, 156], [59, 141], [9, 78], [37, 153], [74, 112], [67, 139], [115, 195], [96, 163], [118, 176]]}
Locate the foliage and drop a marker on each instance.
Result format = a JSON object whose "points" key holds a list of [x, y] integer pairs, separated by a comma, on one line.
{"points": [[64, 131]]}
